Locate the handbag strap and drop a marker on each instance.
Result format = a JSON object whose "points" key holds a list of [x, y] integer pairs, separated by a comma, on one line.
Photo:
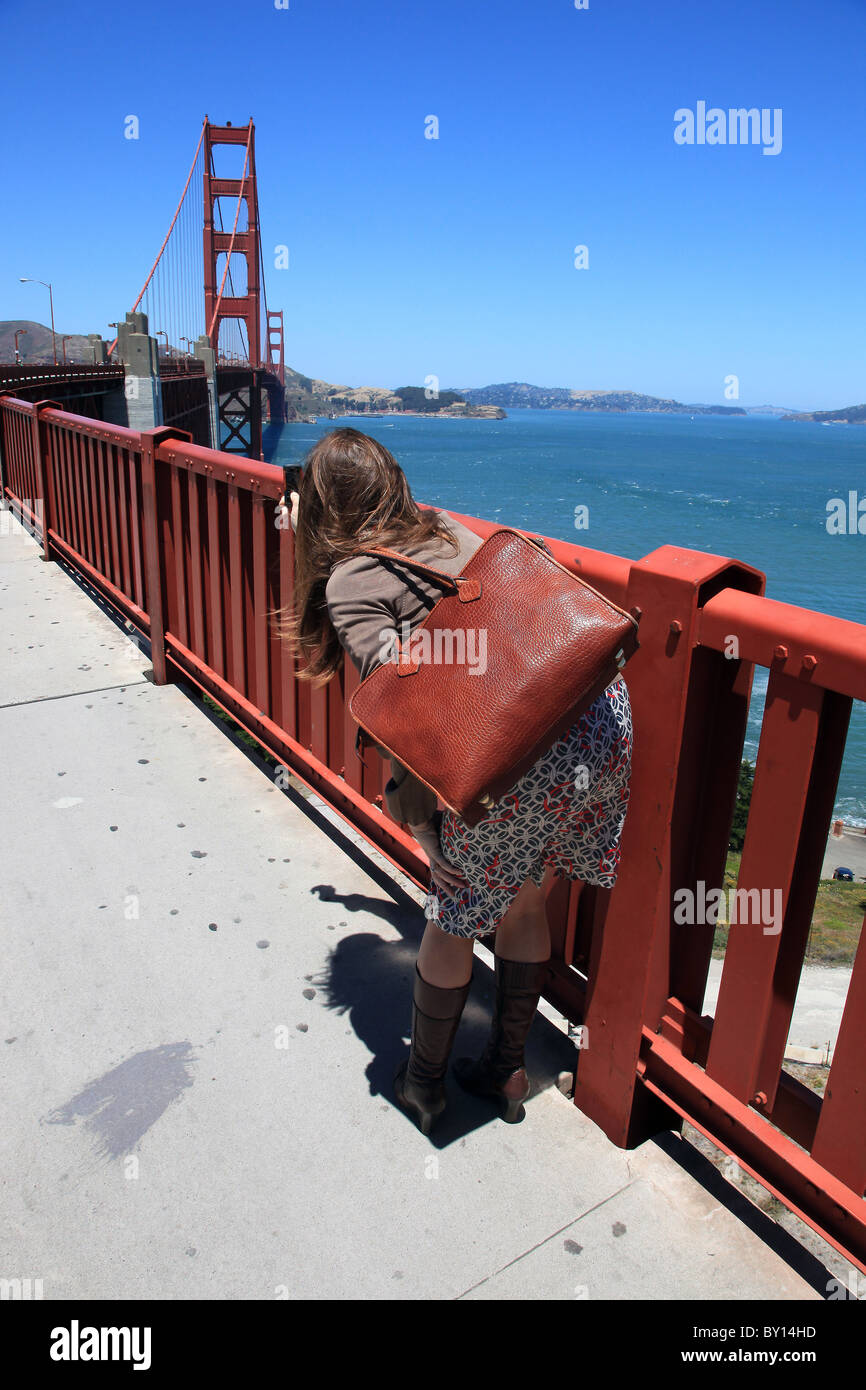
{"points": [[453, 581]]}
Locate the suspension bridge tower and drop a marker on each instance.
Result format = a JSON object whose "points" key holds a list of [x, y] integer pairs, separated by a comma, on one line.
{"points": [[246, 367], [242, 310]]}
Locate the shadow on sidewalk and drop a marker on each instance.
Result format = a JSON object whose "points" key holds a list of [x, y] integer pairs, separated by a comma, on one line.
{"points": [[371, 981]]}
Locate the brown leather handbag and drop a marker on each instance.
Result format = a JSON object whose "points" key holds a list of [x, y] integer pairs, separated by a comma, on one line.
{"points": [[501, 666]]}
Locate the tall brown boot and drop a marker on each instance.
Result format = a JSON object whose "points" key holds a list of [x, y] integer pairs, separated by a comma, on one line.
{"points": [[419, 1084], [500, 1070]]}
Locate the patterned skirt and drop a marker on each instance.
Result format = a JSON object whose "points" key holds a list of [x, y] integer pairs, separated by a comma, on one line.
{"points": [[567, 811]]}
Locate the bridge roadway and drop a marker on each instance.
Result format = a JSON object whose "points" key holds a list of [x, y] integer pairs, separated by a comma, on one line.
{"points": [[206, 981]]}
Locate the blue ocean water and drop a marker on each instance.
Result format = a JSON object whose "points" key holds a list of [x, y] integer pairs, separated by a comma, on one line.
{"points": [[751, 488]]}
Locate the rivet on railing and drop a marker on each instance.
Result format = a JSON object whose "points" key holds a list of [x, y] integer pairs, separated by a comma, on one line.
{"points": [[780, 652], [760, 1098], [676, 626], [810, 662]]}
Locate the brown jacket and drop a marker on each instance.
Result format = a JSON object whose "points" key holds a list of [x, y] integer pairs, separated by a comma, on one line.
{"points": [[367, 599]]}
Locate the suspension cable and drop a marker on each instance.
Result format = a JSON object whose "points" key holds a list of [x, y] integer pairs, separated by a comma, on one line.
{"points": [[171, 228]]}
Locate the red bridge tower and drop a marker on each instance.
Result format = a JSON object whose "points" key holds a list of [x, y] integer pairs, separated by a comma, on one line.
{"points": [[218, 305]]}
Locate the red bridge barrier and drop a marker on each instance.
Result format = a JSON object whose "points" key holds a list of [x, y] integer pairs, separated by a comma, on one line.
{"points": [[183, 541]]}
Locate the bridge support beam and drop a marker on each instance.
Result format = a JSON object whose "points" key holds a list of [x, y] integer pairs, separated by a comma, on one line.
{"points": [[98, 348], [141, 406], [205, 353], [239, 393]]}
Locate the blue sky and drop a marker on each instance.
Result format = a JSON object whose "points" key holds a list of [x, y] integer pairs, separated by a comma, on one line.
{"points": [[455, 257]]}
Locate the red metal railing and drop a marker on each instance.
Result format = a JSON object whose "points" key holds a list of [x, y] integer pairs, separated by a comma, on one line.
{"points": [[182, 540]]}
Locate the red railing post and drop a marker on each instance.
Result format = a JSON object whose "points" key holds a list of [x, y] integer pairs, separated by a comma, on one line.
{"points": [[42, 470], [633, 976], [3, 502], [154, 566]]}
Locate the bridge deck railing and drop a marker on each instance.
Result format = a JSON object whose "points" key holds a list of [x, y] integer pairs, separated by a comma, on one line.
{"points": [[18, 374], [185, 542]]}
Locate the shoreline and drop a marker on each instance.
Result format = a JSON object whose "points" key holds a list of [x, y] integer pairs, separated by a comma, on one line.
{"points": [[565, 410], [397, 414]]}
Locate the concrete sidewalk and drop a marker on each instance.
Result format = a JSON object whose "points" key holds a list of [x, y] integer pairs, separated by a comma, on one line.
{"points": [[206, 992]]}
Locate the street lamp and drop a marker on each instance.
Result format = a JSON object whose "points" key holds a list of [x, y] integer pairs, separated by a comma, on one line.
{"points": [[28, 280], [19, 332], [63, 341]]}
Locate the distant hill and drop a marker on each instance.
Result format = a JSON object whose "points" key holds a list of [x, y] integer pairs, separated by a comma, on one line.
{"points": [[849, 415], [517, 395], [774, 410], [308, 398], [35, 345]]}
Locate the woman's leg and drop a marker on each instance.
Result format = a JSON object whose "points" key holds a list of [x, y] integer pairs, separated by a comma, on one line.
{"points": [[444, 960], [523, 933], [443, 975], [522, 954]]}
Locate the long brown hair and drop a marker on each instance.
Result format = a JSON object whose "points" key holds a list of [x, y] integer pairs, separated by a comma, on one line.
{"points": [[352, 492]]}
